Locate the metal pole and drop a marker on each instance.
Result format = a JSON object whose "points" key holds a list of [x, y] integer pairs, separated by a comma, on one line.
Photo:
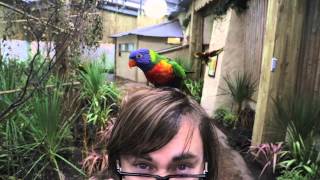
{"points": [[140, 10]]}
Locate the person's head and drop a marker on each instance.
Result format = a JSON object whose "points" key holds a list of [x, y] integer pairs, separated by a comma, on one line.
{"points": [[162, 132]]}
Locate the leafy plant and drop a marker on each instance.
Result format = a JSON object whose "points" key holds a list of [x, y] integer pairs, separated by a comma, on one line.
{"points": [[300, 115], [49, 130], [240, 89], [304, 159], [95, 162], [11, 132], [269, 154], [194, 88], [101, 95], [220, 113], [293, 175], [225, 116]]}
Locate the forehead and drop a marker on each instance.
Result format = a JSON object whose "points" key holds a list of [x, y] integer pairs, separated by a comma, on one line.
{"points": [[186, 141]]}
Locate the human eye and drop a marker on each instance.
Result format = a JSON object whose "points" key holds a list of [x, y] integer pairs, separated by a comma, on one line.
{"points": [[183, 168], [143, 167]]}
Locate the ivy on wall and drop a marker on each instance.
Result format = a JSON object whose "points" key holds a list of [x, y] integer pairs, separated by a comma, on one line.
{"points": [[221, 7]]}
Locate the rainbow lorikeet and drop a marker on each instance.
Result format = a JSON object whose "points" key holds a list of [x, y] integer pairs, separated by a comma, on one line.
{"points": [[158, 69], [205, 56]]}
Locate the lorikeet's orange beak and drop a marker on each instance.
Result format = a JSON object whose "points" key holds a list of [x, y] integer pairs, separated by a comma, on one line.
{"points": [[132, 63]]}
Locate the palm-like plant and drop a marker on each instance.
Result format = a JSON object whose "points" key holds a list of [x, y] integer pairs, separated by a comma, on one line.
{"points": [[240, 89], [49, 130]]}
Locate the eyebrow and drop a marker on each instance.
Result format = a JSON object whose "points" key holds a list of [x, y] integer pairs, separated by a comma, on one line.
{"points": [[184, 156], [145, 157], [181, 157]]}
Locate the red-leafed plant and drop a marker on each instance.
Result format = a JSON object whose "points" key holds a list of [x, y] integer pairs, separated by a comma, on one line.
{"points": [[97, 160], [269, 154]]}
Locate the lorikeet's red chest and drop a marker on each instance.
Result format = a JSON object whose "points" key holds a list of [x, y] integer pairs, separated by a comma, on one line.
{"points": [[161, 74]]}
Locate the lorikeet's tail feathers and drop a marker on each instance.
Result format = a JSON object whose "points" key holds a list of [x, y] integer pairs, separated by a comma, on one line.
{"points": [[189, 72]]}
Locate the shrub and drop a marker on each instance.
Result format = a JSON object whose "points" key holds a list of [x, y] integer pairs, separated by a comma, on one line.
{"points": [[194, 88], [269, 155], [304, 159], [101, 96], [300, 116], [240, 89], [293, 175], [225, 116]]}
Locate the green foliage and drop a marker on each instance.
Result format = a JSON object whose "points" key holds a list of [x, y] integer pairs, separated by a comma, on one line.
{"points": [[304, 159], [194, 88], [49, 129], [240, 88], [101, 95], [37, 138], [222, 7], [293, 175], [11, 77], [104, 62], [225, 116], [300, 115]]}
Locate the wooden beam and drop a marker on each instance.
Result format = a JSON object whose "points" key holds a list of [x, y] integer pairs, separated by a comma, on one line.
{"points": [[195, 41], [282, 41]]}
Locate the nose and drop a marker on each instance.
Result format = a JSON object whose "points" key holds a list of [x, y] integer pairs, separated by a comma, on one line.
{"points": [[162, 178], [162, 175]]}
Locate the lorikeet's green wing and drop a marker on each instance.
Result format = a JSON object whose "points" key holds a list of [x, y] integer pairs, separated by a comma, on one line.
{"points": [[155, 57], [178, 69]]}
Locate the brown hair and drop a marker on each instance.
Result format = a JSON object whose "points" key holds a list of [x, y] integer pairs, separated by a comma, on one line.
{"points": [[150, 118]]}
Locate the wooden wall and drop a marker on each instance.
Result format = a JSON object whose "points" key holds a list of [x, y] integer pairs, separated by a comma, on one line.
{"points": [[255, 20], [308, 76], [114, 23]]}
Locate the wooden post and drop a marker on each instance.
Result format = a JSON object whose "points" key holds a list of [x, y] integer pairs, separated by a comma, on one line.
{"points": [[195, 41], [282, 39]]}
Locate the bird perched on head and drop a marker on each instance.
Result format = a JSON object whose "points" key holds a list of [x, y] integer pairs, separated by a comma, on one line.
{"points": [[158, 69], [205, 56]]}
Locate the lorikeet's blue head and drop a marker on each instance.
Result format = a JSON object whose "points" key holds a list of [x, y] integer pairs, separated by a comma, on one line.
{"points": [[141, 58]]}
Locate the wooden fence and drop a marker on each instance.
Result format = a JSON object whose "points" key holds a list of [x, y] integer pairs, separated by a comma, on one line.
{"points": [[308, 76], [255, 20]]}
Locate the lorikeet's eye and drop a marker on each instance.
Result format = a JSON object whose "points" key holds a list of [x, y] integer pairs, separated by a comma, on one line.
{"points": [[139, 56]]}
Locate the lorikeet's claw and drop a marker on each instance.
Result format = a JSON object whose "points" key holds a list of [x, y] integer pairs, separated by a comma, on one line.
{"points": [[132, 63]]}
